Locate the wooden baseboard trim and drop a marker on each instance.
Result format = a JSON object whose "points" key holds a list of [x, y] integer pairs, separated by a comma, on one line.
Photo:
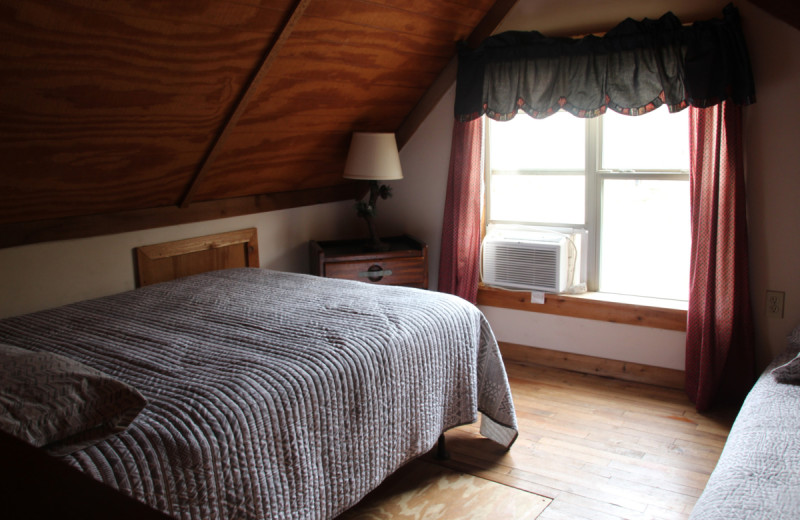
{"points": [[623, 370]]}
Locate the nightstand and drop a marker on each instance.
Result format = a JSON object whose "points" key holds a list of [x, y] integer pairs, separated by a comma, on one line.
{"points": [[404, 263]]}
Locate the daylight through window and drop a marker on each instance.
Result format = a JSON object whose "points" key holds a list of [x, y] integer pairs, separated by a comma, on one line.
{"points": [[624, 179]]}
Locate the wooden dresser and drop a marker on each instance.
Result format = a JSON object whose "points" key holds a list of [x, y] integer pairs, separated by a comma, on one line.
{"points": [[404, 263]]}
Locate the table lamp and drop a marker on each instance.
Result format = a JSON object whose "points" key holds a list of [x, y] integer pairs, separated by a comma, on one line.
{"points": [[373, 157]]}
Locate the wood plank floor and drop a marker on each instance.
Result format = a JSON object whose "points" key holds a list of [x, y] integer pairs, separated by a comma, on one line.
{"points": [[599, 447]]}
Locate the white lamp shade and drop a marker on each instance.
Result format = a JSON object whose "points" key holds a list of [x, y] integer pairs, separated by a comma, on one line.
{"points": [[373, 157]]}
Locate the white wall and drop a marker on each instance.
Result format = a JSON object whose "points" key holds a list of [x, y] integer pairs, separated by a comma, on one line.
{"points": [[417, 204], [656, 347], [41, 276], [772, 149], [772, 135]]}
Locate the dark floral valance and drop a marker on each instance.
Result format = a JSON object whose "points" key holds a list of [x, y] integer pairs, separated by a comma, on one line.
{"points": [[634, 68]]}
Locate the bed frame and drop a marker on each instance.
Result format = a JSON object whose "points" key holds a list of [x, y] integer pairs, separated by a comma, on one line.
{"points": [[36, 485], [41, 486], [77, 492], [169, 260]]}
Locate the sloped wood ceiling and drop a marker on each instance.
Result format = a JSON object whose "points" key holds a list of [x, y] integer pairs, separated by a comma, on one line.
{"points": [[786, 10], [110, 110]]}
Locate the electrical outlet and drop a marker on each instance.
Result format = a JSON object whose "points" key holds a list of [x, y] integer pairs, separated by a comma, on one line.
{"points": [[775, 304]]}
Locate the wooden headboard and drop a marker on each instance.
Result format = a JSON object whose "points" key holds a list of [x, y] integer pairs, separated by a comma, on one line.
{"points": [[169, 260]]}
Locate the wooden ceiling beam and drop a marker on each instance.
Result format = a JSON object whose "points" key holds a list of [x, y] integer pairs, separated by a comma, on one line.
{"points": [[244, 98], [82, 226], [490, 22]]}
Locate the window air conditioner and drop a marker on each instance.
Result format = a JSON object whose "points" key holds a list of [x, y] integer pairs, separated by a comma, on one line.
{"points": [[539, 262]]}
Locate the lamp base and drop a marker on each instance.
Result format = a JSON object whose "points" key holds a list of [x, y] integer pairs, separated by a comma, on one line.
{"points": [[366, 210], [374, 243]]}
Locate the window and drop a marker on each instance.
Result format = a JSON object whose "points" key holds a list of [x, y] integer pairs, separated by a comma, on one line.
{"points": [[624, 179]]}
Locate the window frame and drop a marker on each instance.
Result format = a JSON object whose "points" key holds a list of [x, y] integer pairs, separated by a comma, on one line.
{"points": [[595, 177]]}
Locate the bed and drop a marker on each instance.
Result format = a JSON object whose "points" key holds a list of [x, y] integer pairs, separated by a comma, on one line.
{"points": [[758, 473], [255, 394]]}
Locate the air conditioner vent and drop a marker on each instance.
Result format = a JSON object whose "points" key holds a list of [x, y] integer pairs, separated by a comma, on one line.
{"points": [[526, 264]]}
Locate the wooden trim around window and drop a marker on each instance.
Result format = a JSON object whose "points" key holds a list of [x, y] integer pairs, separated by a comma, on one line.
{"points": [[587, 308]]}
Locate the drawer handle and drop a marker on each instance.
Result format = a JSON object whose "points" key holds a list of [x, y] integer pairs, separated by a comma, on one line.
{"points": [[375, 273]]}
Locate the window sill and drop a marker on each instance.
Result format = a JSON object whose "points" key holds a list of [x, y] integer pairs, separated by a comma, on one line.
{"points": [[629, 310]]}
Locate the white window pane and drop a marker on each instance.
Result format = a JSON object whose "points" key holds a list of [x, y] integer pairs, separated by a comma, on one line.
{"points": [[538, 198], [555, 143], [655, 141], [645, 238]]}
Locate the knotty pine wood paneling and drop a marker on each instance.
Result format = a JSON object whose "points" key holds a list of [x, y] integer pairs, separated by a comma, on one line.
{"points": [[110, 106], [326, 81], [110, 110], [342, 32], [462, 12], [91, 225], [301, 152], [349, 64], [401, 21], [239, 16]]}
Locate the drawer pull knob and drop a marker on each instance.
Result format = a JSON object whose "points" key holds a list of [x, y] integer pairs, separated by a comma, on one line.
{"points": [[375, 273]]}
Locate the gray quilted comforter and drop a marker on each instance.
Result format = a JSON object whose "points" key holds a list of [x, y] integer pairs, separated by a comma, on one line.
{"points": [[758, 473], [276, 395]]}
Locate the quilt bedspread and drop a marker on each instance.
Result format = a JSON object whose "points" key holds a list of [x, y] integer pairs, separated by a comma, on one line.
{"points": [[276, 395], [757, 476]]}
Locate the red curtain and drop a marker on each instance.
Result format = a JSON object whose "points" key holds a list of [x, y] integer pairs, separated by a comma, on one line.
{"points": [[720, 354], [459, 263]]}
